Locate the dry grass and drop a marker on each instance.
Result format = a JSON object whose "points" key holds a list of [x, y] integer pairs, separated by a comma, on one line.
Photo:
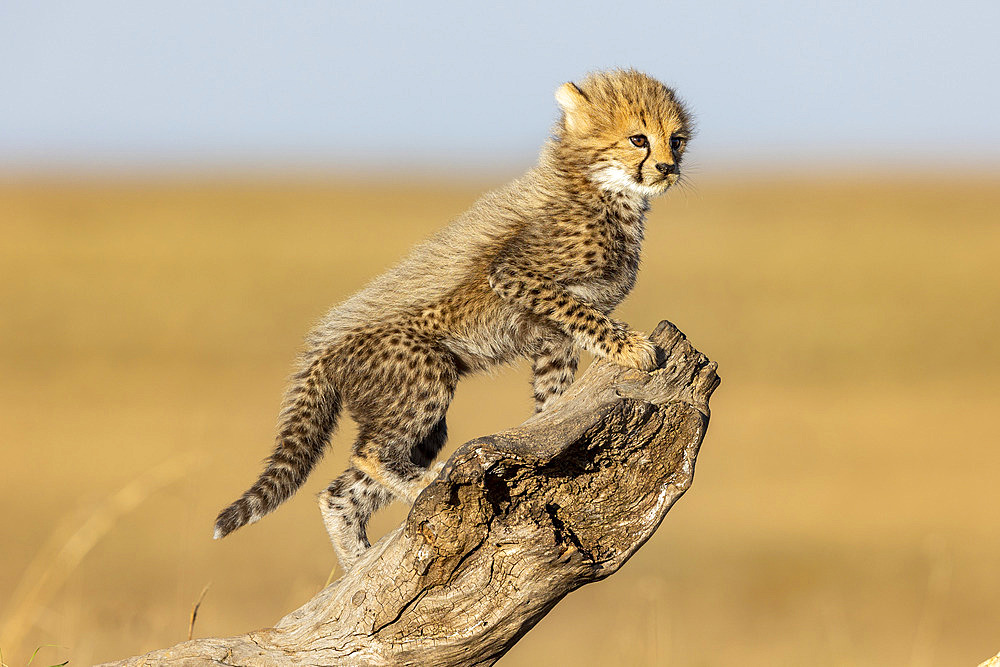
{"points": [[70, 543], [845, 503]]}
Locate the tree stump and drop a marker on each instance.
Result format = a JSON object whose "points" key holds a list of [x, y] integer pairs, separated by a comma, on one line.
{"points": [[515, 521]]}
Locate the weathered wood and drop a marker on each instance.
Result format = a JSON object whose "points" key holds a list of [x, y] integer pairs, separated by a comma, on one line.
{"points": [[514, 522]]}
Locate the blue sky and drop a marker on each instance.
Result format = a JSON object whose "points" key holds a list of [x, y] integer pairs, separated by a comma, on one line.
{"points": [[107, 83]]}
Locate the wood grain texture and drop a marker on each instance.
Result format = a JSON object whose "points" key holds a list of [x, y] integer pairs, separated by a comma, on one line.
{"points": [[515, 521]]}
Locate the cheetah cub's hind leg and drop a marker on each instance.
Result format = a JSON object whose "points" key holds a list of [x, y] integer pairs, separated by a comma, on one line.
{"points": [[400, 408], [349, 502], [427, 449], [346, 506], [351, 499], [554, 366]]}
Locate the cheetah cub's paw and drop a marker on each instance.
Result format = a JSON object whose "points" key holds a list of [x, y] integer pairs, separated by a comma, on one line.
{"points": [[425, 480], [638, 352]]}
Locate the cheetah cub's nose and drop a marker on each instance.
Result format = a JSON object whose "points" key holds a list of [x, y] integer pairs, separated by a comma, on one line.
{"points": [[666, 168]]}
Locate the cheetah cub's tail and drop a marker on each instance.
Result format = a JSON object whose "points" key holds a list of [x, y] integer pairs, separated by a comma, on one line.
{"points": [[308, 417]]}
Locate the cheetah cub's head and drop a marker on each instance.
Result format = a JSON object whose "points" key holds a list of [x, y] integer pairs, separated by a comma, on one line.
{"points": [[626, 131]]}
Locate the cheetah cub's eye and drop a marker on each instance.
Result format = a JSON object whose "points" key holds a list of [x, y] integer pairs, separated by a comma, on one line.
{"points": [[639, 140], [677, 143]]}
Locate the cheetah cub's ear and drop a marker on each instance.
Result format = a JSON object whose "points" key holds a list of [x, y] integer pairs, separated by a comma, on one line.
{"points": [[573, 103]]}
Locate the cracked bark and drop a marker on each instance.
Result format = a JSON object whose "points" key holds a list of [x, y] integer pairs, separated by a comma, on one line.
{"points": [[515, 521]]}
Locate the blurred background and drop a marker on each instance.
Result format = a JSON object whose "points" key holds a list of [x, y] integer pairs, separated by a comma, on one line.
{"points": [[185, 187]]}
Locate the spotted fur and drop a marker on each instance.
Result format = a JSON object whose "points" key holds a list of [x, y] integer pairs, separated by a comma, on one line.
{"points": [[531, 270]]}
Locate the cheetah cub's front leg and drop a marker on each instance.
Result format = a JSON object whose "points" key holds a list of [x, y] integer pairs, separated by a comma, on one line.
{"points": [[588, 327], [554, 367]]}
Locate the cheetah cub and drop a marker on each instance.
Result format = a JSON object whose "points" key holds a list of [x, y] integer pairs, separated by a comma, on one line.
{"points": [[531, 270]]}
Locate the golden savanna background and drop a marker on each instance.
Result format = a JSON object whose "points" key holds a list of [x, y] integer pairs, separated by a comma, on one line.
{"points": [[186, 187], [844, 510]]}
